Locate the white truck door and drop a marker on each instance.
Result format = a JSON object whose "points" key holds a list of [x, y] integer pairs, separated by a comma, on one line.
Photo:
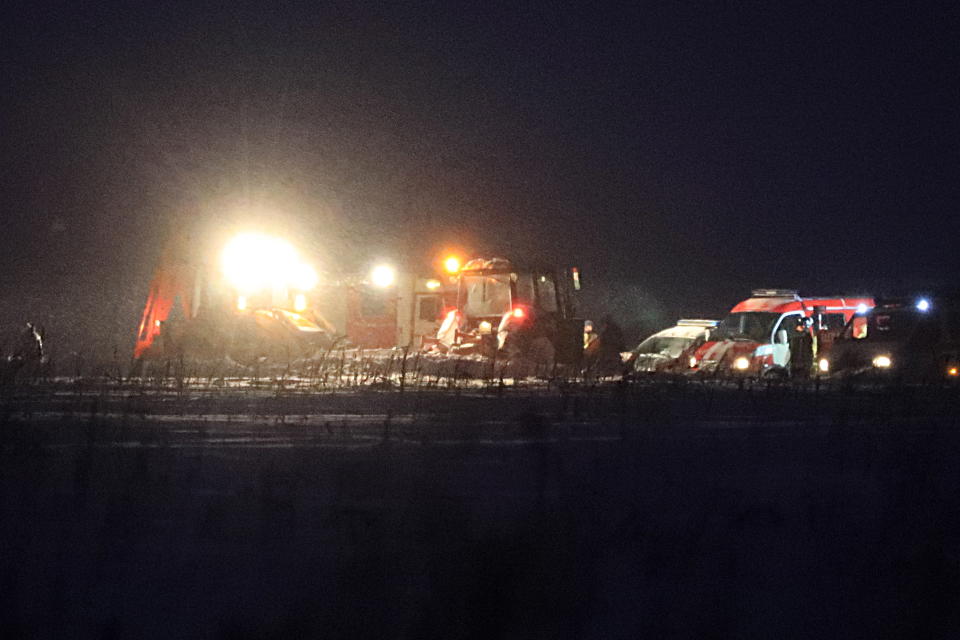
{"points": [[781, 338]]}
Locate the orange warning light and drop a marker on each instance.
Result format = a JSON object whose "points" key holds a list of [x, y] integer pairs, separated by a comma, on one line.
{"points": [[452, 264]]}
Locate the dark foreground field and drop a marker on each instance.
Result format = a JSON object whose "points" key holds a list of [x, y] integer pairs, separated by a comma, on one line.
{"points": [[617, 511]]}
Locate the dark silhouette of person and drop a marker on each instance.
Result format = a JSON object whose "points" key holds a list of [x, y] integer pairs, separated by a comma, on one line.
{"points": [[610, 339], [801, 349]]}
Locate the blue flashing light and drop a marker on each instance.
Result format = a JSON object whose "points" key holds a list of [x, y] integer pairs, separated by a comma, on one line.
{"points": [[923, 305]]}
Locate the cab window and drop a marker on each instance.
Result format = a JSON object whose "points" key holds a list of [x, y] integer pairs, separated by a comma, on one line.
{"points": [[546, 293], [899, 324], [857, 329], [789, 324], [831, 321], [525, 288], [485, 294], [429, 308]]}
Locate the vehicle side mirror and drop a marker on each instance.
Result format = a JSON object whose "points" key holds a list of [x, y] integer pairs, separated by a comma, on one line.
{"points": [[781, 336]]}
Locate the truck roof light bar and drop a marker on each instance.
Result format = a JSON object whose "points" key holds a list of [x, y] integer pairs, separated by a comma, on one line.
{"points": [[775, 293], [697, 322]]}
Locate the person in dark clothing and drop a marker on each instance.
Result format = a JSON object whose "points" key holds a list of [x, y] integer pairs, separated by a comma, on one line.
{"points": [[27, 357], [801, 349], [610, 339]]}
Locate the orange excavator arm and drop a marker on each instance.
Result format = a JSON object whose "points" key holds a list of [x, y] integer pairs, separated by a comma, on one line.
{"points": [[172, 280]]}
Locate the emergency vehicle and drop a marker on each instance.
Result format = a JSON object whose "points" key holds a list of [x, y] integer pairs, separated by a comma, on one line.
{"points": [[763, 333], [900, 339], [513, 310], [670, 349], [402, 311]]}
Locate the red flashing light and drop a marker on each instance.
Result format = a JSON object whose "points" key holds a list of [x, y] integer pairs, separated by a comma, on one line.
{"points": [[519, 313]]}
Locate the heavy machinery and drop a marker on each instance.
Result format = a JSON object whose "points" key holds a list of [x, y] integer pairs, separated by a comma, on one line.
{"points": [[248, 301], [252, 297], [508, 310]]}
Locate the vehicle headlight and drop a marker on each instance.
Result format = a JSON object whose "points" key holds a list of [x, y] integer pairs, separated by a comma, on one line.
{"points": [[484, 328], [824, 365], [952, 371], [882, 362], [300, 303], [693, 361], [741, 364]]}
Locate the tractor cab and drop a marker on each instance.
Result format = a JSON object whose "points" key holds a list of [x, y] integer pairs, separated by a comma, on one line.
{"points": [[503, 308]]}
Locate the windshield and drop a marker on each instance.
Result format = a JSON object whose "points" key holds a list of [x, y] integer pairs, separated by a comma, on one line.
{"points": [[895, 324], [750, 325], [671, 347], [485, 295]]}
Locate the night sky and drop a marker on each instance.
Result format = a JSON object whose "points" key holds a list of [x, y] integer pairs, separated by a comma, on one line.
{"points": [[680, 153]]}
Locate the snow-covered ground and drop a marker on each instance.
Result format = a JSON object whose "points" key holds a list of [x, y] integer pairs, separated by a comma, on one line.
{"points": [[535, 510]]}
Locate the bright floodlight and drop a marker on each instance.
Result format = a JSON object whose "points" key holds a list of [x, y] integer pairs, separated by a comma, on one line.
{"points": [[303, 277], [383, 275], [862, 308], [252, 262], [923, 304], [452, 264]]}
